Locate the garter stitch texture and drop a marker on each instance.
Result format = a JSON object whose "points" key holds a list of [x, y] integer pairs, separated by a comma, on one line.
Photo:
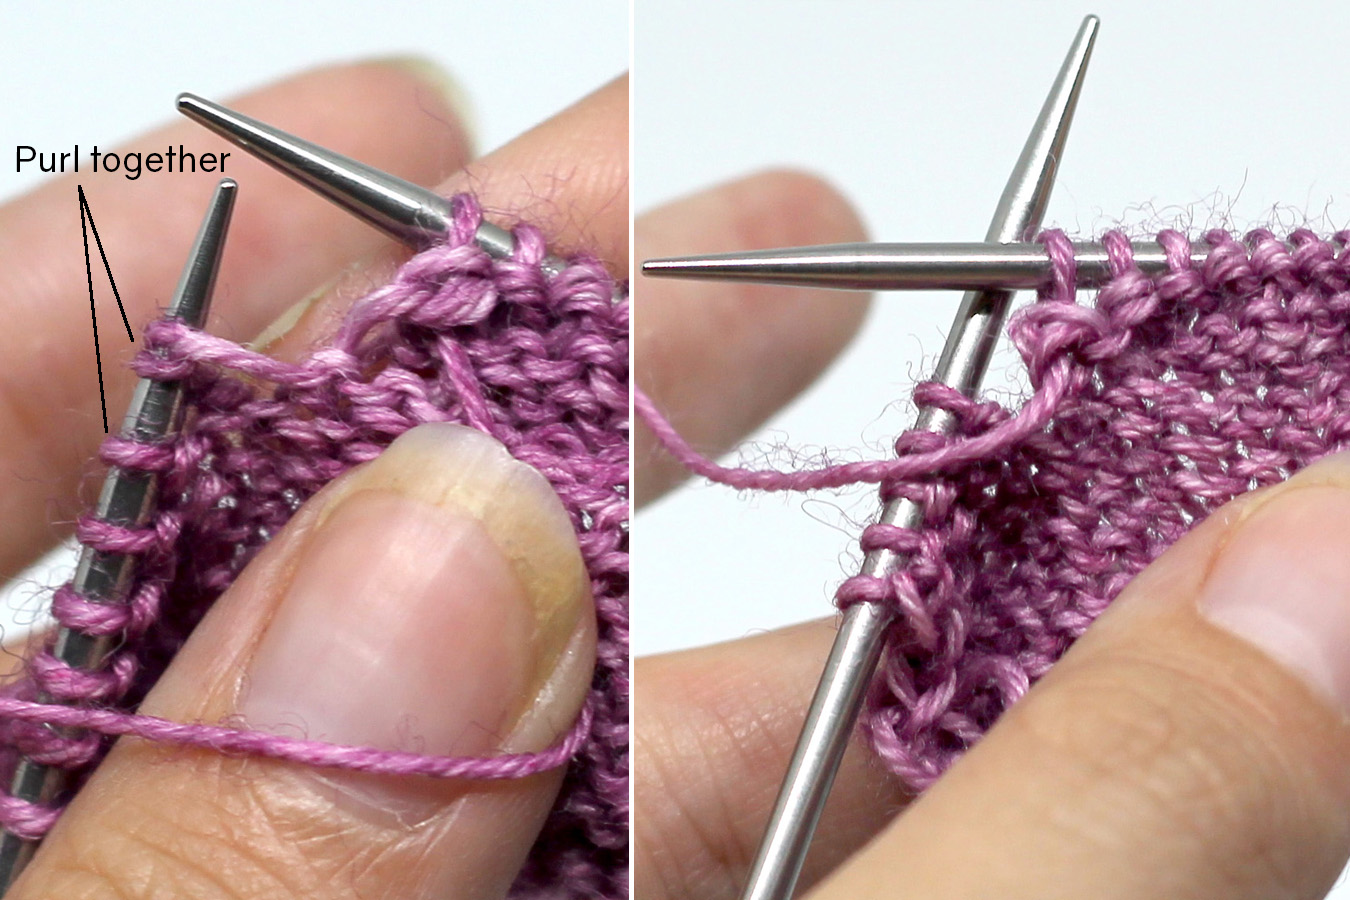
{"points": [[539, 361], [1166, 398]]}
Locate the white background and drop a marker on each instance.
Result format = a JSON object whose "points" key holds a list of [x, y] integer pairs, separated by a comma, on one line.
{"points": [[1192, 113], [91, 74]]}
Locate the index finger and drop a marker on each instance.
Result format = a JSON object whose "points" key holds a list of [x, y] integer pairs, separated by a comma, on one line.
{"points": [[283, 241], [568, 176], [719, 359]]}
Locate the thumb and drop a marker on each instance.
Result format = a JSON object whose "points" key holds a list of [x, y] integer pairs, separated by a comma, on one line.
{"points": [[433, 600], [1194, 744]]}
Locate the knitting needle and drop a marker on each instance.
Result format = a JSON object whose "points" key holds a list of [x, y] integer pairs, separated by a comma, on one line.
{"points": [[127, 498], [405, 211], [857, 647], [919, 267]]}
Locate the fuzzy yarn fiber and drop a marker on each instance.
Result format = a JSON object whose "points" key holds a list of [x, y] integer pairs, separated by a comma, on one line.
{"points": [[537, 360], [1164, 399]]}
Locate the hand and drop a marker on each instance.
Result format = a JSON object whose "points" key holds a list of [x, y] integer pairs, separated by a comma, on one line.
{"points": [[1193, 744], [306, 634]]}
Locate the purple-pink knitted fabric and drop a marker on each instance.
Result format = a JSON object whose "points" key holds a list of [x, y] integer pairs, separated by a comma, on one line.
{"points": [[538, 360], [1164, 399]]}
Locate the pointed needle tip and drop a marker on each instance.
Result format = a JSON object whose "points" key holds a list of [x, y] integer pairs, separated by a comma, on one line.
{"points": [[662, 265], [1088, 30], [1027, 194], [204, 112], [192, 299], [403, 210], [190, 104], [729, 267]]}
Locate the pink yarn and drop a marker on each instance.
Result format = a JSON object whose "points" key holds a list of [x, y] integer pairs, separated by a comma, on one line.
{"points": [[1149, 409], [537, 360]]}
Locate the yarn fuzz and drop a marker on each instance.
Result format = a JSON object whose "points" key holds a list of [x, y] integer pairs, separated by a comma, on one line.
{"points": [[1165, 399], [537, 359]]}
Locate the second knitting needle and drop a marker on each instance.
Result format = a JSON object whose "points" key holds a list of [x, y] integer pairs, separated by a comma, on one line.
{"points": [[128, 500], [409, 213], [857, 648], [911, 267]]}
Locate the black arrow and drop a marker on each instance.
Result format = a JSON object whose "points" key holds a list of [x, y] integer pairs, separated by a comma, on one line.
{"points": [[87, 216]]}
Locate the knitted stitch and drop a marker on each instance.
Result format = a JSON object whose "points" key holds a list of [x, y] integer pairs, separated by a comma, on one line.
{"points": [[1168, 397], [539, 361]]}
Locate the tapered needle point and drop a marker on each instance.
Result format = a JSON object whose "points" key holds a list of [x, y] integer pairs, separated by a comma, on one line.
{"points": [[407, 212], [127, 499], [192, 298], [857, 648], [948, 266]]}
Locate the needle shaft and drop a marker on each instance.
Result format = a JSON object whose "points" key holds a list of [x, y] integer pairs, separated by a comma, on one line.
{"points": [[127, 499], [914, 267], [857, 648]]}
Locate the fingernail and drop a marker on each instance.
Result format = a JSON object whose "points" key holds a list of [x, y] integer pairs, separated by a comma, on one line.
{"points": [[439, 79], [1281, 581], [285, 323], [321, 312], [431, 606]]}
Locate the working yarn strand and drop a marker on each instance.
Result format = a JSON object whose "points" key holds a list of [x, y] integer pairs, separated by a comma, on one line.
{"points": [[538, 359], [1164, 399]]}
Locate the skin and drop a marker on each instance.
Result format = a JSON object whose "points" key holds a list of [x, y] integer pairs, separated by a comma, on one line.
{"points": [[1164, 756], [161, 822], [283, 241], [1160, 737]]}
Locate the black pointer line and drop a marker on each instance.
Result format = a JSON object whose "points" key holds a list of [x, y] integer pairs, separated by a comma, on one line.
{"points": [[85, 211], [87, 215], [89, 275]]}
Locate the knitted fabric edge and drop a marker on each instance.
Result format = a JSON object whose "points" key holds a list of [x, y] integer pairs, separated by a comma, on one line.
{"points": [[536, 359]]}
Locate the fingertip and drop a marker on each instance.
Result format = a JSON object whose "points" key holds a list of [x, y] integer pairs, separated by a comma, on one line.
{"points": [[812, 209], [1201, 722], [283, 241], [431, 601], [413, 118], [446, 92], [720, 358], [793, 208], [567, 176], [716, 726]]}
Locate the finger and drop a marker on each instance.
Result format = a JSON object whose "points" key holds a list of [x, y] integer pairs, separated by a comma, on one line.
{"points": [[719, 359], [432, 600], [568, 176], [1194, 744], [713, 730], [282, 241], [14, 651]]}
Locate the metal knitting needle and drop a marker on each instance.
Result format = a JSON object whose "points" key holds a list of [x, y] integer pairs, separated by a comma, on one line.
{"points": [[857, 647], [127, 498], [405, 211], [954, 266]]}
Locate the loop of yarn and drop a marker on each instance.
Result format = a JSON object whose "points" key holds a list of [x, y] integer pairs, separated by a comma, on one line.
{"points": [[537, 359], [1168, 396]]}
